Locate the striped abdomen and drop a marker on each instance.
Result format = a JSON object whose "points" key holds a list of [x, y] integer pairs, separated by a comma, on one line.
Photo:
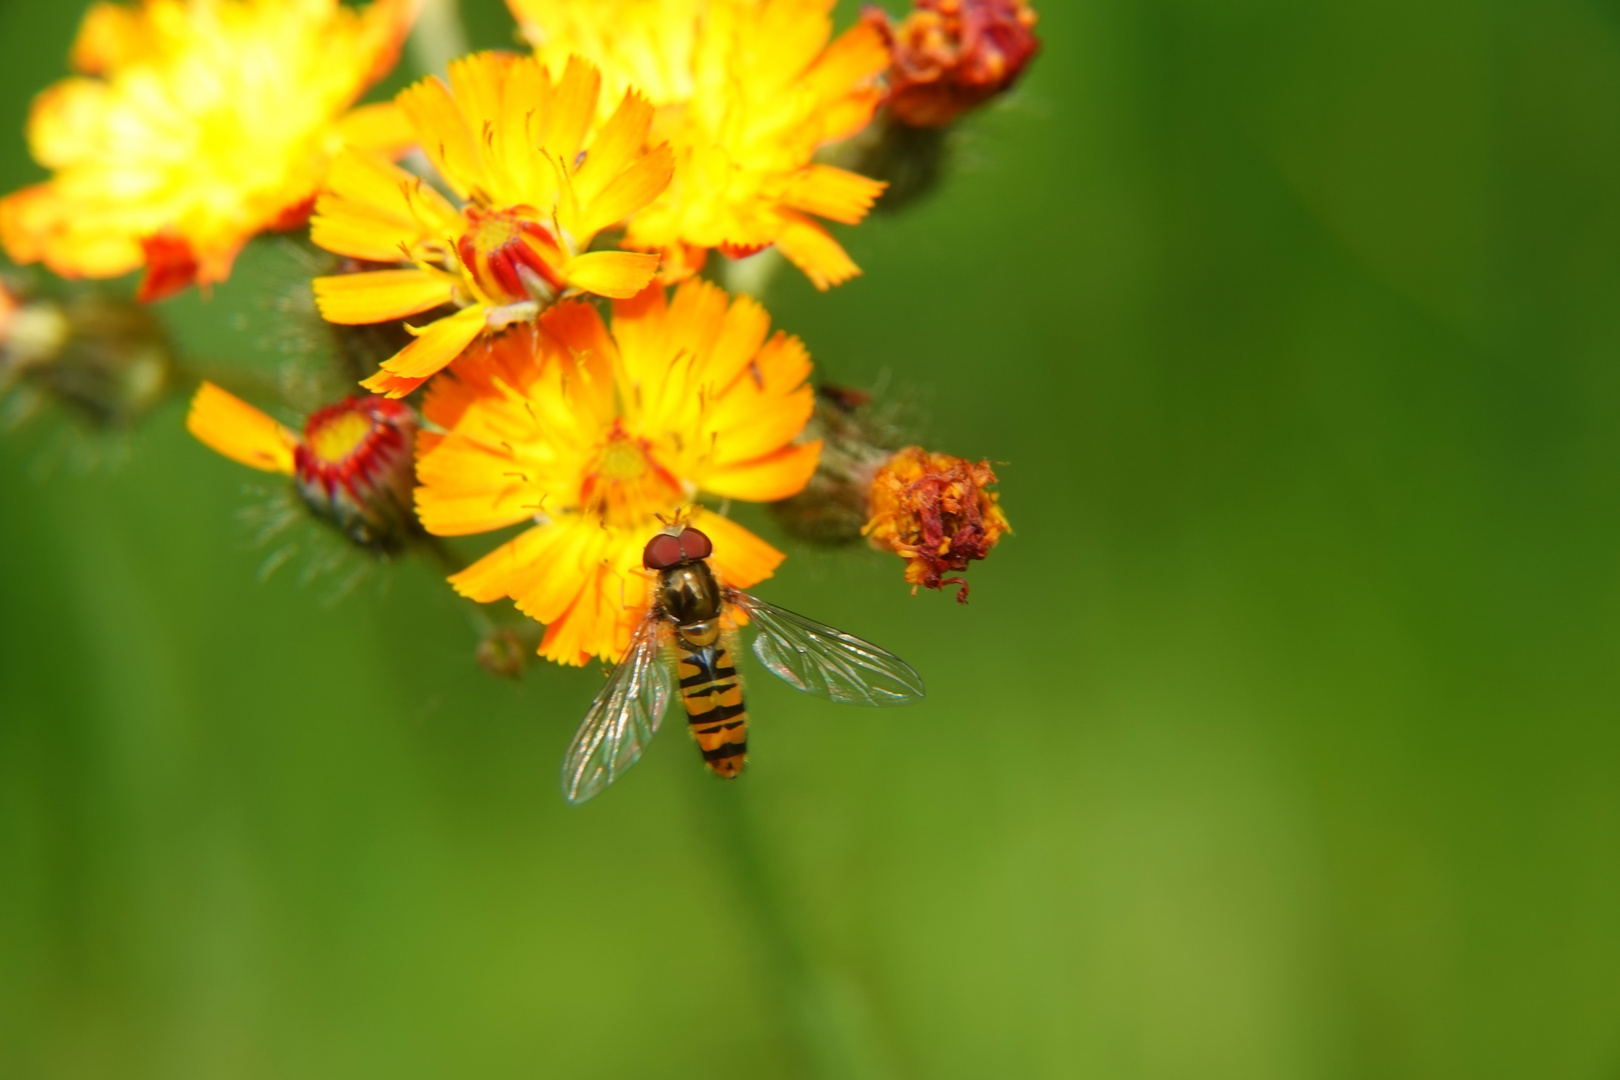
{"points": [[712, 694]]}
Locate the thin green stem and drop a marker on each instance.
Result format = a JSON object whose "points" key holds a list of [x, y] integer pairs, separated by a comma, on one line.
{"points": [[441, 554], [826, 1025]]}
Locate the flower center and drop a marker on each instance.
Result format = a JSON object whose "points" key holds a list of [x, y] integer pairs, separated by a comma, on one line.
{"points": [[338, 436], [357, 442], [511, 257], [624, 483]]}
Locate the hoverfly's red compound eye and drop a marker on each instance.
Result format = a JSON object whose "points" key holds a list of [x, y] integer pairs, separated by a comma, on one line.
{"points": [[662, 552], [695, 545]]}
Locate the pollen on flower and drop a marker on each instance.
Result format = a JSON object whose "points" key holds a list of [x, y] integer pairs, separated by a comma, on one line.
{"points": [[936, 512], [624, 482], [949, 56]]}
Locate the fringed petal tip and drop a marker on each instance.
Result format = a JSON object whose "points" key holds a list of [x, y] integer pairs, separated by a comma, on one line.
{"points": [[436, 346]]}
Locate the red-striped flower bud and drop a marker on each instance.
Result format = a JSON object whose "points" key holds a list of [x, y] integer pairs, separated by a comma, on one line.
{"points": [[353, 466]]}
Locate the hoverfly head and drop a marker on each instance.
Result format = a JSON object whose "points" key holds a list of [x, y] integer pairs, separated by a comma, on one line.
{"points": [[670, 549]]}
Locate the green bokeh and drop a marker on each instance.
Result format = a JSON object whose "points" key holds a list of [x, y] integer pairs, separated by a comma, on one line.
{"points": [[1280, 742]]}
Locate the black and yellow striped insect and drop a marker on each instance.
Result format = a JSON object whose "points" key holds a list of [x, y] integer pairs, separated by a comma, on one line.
{"points": [[690, 632]]}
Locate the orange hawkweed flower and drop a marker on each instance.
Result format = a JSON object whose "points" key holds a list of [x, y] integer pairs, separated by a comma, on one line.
{"points": [[747, 91], [537, 184], [936, 512], [592, 435], [351, 466], [197, 125]]}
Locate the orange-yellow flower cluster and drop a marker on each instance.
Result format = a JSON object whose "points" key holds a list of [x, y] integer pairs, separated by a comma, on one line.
{"points": [[539, 172], [936, 512], [195, 125], [592, 434], [747, 91]]}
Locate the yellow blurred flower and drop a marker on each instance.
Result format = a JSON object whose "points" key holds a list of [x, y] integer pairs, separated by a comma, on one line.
{"points": [[195, 126], [539, 173], [747, 91], [593, 435]]}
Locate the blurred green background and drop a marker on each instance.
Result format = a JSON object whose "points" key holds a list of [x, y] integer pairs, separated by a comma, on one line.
{"points": [[1280, 742]]}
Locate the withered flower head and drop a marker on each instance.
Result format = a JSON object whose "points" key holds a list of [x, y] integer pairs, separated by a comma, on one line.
{"points": [[936, 512], [949, 56]]}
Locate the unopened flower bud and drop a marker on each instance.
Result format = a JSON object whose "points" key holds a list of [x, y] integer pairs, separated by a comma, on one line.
{"points": [[105, 358], [949, 56], [352, 466], [936, 512]]}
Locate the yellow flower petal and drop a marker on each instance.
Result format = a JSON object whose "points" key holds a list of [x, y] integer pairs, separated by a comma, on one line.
{"points": [[741, 559], [769, 478], [611, 273], [445, 137], [833, 193], [380, 295], [380, 129], [393, 386], [437, 344], [855, 59], [583, 581], [227, 424], [615, 147], [573, 108], [628, 192], [374, 210], [813, 250]]}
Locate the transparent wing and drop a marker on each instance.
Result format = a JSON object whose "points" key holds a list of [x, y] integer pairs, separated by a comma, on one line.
{"points": [[829, 663], [623, 717]]}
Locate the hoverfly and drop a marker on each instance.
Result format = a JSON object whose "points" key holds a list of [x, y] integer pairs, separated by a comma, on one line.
{"points": [[688, 636]]}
